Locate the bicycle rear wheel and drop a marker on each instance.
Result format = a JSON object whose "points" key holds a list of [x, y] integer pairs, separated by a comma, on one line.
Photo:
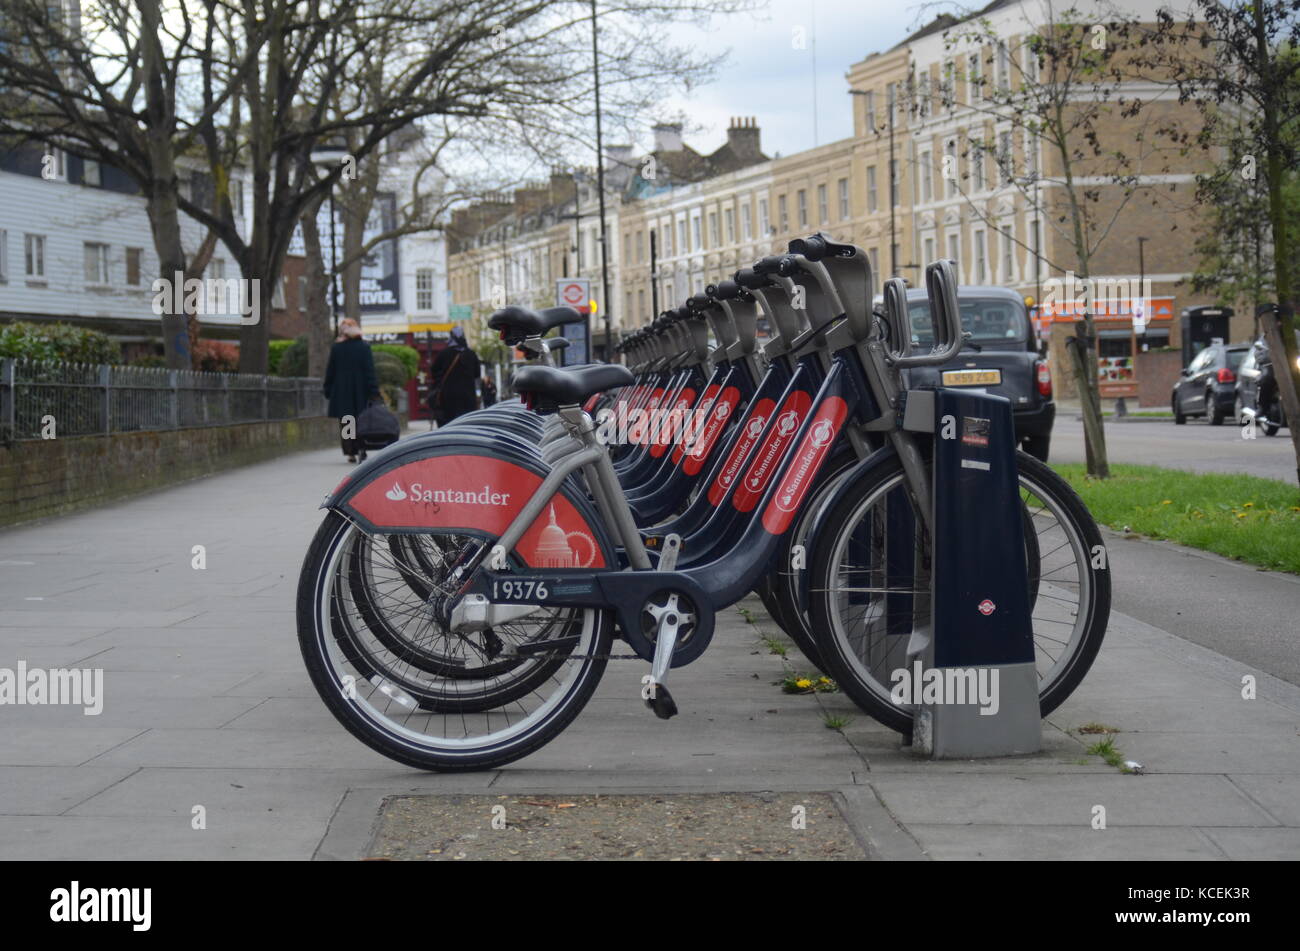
{"points": [[865, 596], [372, 687]]}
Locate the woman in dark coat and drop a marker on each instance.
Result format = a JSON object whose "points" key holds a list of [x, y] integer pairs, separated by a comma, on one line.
{"points": [[350, 382], [452, 381]]}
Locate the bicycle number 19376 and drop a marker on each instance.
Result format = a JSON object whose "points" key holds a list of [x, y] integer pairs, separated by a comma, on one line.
{"points": [[519, 590]]}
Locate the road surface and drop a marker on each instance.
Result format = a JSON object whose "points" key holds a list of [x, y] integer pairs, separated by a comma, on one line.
{"points": [[1196, 446]]}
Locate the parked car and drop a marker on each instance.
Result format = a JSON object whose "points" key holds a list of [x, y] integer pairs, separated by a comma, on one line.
{"points": [[1209, 384], [1257, 395], [1000, 358]]}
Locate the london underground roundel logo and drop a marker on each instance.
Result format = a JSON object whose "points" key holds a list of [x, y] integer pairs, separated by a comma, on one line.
{"points": [[986, 607]]}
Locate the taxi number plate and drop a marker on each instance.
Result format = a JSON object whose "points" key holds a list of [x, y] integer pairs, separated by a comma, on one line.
{"points": [[971, 377]]}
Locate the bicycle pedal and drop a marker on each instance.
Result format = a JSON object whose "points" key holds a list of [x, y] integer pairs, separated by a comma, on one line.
{"points": [[661, 702]]}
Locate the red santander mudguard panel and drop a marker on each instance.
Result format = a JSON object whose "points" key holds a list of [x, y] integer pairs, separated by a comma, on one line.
{"points": [[768, 458], [726, 477], [481, 493], [801, 472], [695, 420], [670, 423], [719, 413]]}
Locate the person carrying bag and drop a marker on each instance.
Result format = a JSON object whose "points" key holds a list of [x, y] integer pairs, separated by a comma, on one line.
{"points": [[452, 377]]}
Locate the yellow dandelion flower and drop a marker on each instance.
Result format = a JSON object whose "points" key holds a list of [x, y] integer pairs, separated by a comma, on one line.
{"points": [[803, 683], [1249, 505], [1167, 502], [1241, 515]]}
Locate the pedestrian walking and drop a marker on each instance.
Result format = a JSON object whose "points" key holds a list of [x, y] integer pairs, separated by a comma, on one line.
{"points": [[488, 390], [350, 384], [452, 379]]}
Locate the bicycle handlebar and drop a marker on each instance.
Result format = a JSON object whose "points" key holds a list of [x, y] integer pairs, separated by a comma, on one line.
{"points": [[941, 288]]}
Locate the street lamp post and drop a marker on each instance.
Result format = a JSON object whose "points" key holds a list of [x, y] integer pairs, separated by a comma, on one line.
{"points": [[600, 186], [330, 156], [893, 184]]}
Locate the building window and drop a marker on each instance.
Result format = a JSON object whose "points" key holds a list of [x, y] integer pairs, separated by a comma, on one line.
{"points": [[746, 223], [682, 246], [972, 78], [1031, 62], [134, 257], [927, 177], [640, 248], [90, 173], [783, 214], [872, 203], [1004, 158], [640, 304], [715, 236], [277, 296], [977, 167], [34, 255], [891, 96], [923, 97], [981, 259], [950, 171], [1031, 154], [627, 247], [1008, 254], [954, 249], [730, 218], [237, 196], [424, 288], [695, 234], [893, 181], [96, 256], [874, 256], [871, 110], [1004, 66], [948, 86], [823, 207], [668, 241], [802, 198], [927, 256], [764, 222]]}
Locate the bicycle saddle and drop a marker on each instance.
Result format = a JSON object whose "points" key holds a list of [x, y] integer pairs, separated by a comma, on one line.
{"points": [[518, 323], [568, 387]]}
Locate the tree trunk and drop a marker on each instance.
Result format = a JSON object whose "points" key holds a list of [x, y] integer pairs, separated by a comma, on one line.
{"points": [[316, 312], [197, 265], [164, 222], [1281, 333]]}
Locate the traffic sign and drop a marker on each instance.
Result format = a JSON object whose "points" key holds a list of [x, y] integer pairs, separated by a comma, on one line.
{"points": [[574, 292]]}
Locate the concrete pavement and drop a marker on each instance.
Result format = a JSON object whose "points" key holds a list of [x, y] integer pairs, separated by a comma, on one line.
{"points": [[208, 715]]}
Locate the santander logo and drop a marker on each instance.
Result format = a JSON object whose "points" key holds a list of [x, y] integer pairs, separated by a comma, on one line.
{"points": [[723, 410], [418, 493], [787, 423], [822, 433], [755, 427]]}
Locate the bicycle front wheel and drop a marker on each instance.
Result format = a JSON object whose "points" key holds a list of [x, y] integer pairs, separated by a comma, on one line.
{"points": [[398, 696], [866, 596]]}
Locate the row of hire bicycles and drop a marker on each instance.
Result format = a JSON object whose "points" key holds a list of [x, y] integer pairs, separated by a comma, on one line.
{"points": [[463, 595]]}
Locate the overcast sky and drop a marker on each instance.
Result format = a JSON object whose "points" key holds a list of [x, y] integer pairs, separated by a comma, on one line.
{"points": [[767, 77]]}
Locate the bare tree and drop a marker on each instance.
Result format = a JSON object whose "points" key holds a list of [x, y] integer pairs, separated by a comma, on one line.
{"points": [[107, 85], [1064, 91]]}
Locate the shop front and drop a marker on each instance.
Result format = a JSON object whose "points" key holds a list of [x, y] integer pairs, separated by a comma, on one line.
{"points": [[1125, 328]]}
